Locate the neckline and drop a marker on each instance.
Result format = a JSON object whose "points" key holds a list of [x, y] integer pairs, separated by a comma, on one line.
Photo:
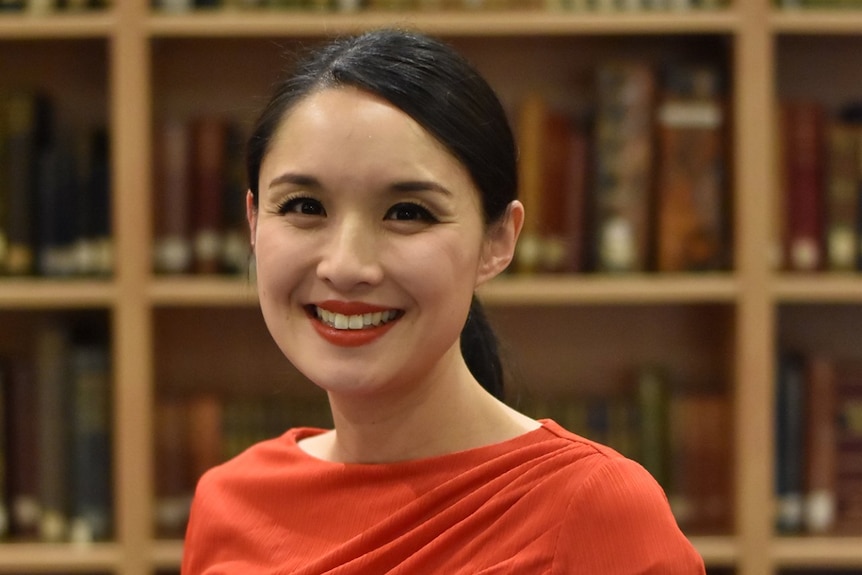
{"points": [[546, 428]]}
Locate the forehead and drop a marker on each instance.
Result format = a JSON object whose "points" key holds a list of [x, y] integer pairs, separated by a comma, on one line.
{"points": [[348, 128]]}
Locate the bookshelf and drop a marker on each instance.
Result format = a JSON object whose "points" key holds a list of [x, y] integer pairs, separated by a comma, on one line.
{"points": [[136, 65]]}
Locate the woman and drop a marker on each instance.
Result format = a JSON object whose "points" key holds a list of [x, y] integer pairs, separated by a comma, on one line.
{"points": [[382, 194]]}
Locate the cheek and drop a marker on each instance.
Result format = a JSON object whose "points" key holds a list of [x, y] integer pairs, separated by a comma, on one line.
{"points": [[277, 259]]}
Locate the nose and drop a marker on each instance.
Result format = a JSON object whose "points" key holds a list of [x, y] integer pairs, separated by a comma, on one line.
{"points": [[349, 257]]}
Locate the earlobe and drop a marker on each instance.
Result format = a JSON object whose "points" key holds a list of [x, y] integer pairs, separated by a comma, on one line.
{"points": [[499, 247], [251, 216]]}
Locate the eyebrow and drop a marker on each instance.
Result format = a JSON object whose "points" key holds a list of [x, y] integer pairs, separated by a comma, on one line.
{"points": [[420, 186], [295, 179]]}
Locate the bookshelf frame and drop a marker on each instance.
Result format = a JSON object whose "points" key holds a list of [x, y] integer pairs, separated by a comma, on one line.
{"points": [[753, 291]]}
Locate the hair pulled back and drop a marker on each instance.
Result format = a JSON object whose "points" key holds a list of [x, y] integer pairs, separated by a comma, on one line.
{"points": [[437, 87]]}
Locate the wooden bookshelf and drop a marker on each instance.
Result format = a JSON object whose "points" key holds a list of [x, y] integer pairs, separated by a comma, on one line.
{"points": [[726, 323]]}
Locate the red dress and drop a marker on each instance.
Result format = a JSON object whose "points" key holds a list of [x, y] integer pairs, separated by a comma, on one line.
{"points": [[547, 502]]}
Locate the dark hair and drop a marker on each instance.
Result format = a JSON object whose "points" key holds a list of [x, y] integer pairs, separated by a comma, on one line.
{"points": [[436, 86]]}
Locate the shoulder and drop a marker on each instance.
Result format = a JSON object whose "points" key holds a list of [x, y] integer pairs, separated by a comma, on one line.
{"points": [[618, 521]]}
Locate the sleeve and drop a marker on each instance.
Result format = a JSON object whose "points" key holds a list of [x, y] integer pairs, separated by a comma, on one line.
{"points": [[620, 523]]}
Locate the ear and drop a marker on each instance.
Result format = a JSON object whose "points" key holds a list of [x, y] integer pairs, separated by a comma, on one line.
{"points": [[499, 245], [251, 216]]}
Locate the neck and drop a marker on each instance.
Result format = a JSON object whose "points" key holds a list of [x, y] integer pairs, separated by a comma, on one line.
{"points": [[445, 413]]}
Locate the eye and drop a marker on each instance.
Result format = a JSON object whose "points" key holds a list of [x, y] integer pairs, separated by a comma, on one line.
{"points": [[408, 211], [302, 205]]}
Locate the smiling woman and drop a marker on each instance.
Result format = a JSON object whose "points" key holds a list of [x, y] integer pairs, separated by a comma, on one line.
{"points": [[382, 193]]}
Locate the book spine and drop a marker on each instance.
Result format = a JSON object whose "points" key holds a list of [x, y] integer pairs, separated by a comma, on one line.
{"points": [[848, 487], [209, 148], [691, 190], [821, 445], [27, 127], [842, 241], [173, 252], [531, 135], [93, 251], [653, 400], [790, 442], [803, 162], [52, 353], [624, 166], [55, 221], [91, 437], [22, 453]]}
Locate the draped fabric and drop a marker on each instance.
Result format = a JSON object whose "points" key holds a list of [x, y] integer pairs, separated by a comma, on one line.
{"points": [[546, 502]]}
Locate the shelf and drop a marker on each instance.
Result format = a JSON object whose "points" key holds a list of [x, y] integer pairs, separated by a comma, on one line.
{"points": [[535, 290], [817, 21], [717, 551], [818, 551], [228, 23], [78, 25], [587, 289], [167, 554], [819, 288], [55, 294], [66, 558], [203, 291]]}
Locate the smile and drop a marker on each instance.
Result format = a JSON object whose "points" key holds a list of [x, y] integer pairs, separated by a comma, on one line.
{"points": [[355, 321]]}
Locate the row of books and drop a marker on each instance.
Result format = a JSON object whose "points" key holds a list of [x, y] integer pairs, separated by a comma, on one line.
{"points": [[820, 172], [195, 432], [182, 6], [637, 182], [818, 4], [682, 437], [50, 6], [818, 461], [54, 192], [199, 197], [55, 437]]}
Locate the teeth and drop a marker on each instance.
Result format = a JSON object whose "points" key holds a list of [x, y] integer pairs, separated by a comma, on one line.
{"points": [[361, 321]]}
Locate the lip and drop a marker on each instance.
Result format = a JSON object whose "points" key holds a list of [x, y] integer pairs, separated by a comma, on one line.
{"points": [[349, 337]]}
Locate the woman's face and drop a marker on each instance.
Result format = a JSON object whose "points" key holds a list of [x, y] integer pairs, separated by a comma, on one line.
{"points": [[369, 243]]}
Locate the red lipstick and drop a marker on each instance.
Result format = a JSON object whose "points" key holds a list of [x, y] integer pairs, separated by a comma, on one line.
{"points": [[350, 337]]}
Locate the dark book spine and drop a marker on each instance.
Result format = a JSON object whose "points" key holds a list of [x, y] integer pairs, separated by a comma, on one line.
{"points": [[91, 436], [22, 453], [28, 126], [94, 244], [842, 240], [173, 252], [790, 441]]}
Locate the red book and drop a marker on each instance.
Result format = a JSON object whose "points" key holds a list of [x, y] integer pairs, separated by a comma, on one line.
{"points": [[803, 135], [209, 167], [821, 447]]}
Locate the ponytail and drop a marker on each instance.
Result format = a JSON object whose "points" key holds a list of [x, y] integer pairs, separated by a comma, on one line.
{"points": [[480, 349]]}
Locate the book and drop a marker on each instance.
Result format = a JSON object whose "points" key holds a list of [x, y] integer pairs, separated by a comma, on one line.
{"points": [[173, 252], [205, 433], [93, 249], [27, 130], [4, 432], [701, 461], [802, 131], [90, 431], [173, 483], [691, 193], [842, 195], [552, 179], [236, 250], [790, 441], [624, 151], [208, 170], [53, 439], [653, 400], [848, 488], [821, 448], [21, 447], [56, 192]]}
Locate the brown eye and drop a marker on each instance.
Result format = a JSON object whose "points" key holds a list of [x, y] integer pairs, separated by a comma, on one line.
{"points": [[303, 206], [406, 211]]}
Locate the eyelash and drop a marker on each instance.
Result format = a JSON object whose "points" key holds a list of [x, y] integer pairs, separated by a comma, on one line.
{"points": [[422, 213], [297, 205]]}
